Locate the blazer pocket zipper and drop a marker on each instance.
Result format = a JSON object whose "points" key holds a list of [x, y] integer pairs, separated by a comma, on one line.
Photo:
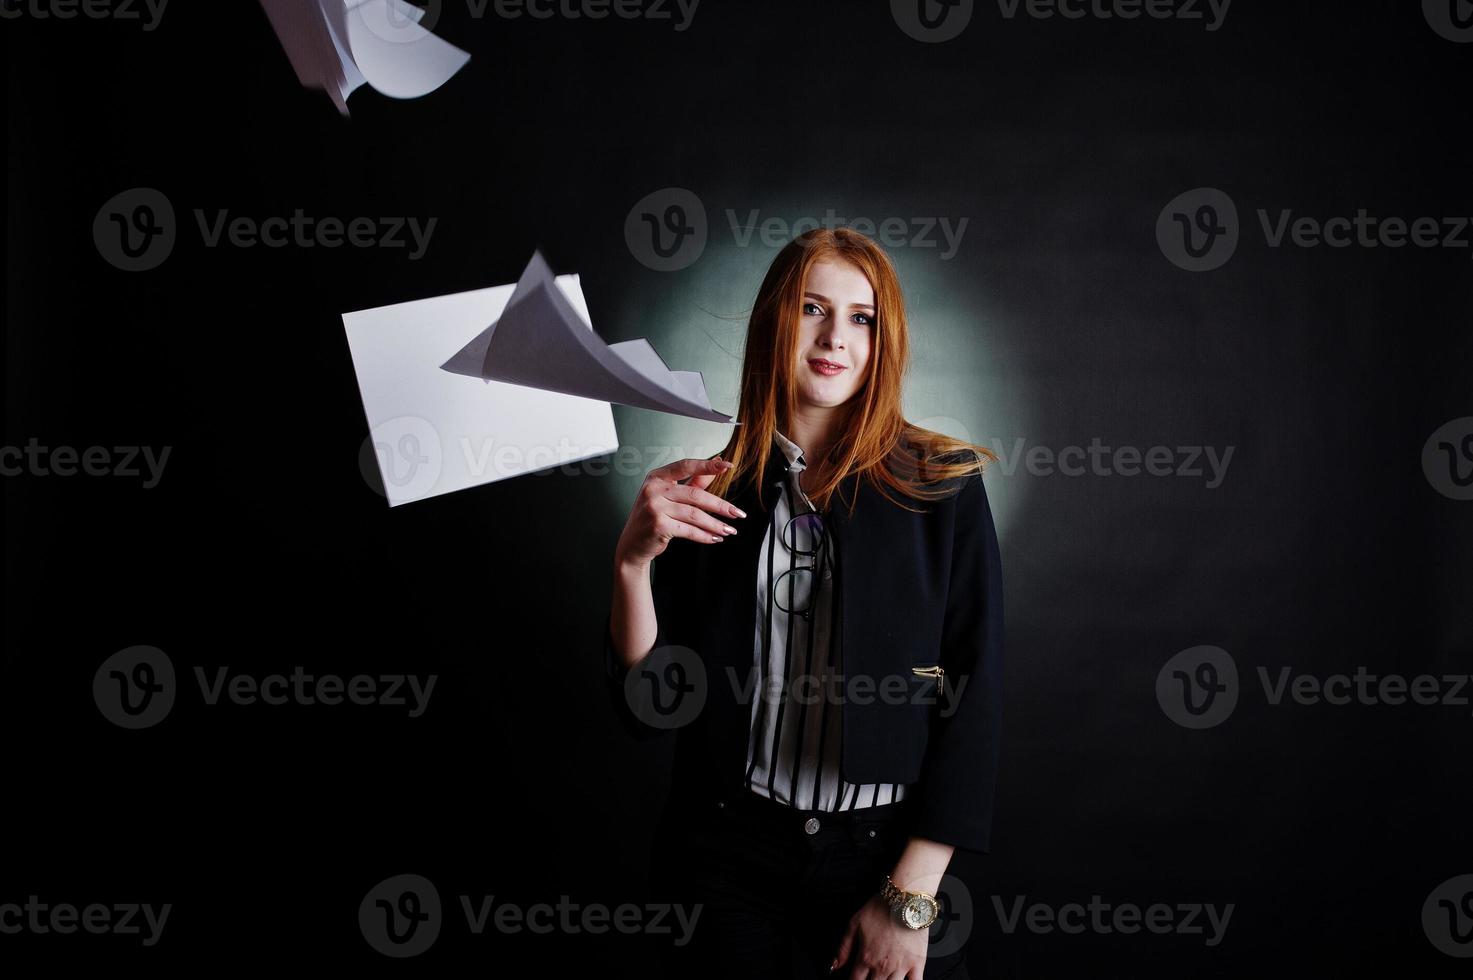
{"points": [[931, 671]]}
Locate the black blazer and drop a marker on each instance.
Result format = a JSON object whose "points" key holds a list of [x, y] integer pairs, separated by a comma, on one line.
{"points": [[914, 590]]}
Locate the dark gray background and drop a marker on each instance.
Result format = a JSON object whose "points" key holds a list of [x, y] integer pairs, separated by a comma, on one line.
{"points": [[1059, 320]]}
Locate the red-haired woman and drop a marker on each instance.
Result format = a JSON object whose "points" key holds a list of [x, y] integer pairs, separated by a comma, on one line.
{"points": [[833, 670]]}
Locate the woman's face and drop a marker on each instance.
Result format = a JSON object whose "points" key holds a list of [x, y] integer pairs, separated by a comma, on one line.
{"points": [[835, 325]]}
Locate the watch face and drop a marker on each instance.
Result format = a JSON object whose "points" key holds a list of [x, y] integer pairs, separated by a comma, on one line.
{"points": [[919, 912]]}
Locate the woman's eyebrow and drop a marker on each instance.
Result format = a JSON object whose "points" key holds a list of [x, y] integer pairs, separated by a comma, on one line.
{"points": [[824, 299]]}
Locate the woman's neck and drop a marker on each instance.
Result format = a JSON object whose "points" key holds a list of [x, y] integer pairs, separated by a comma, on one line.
{"points": [[813, 430]]}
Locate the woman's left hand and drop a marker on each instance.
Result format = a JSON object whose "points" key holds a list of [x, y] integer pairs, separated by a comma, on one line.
{"points": [[880, 947]]}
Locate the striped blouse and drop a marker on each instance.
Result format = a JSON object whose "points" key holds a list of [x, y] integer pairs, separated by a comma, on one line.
{"points": [[793, 747]]}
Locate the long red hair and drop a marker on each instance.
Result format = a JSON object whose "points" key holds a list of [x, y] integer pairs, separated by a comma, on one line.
{"points": [[875, 440]]}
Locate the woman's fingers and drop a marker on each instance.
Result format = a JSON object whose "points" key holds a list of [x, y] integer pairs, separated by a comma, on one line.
{"points": [[700, 497], [658, 500], [690, 478], [682, 469], [669, 527], [690, 514], [672, 509]]}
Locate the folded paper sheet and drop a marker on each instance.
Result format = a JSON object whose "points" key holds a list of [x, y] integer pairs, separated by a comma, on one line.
{"points": [[433, 432], [543, 341], [338, 45]]}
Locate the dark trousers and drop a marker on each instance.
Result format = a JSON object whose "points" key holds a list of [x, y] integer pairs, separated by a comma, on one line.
{"points": [[775, 890]]}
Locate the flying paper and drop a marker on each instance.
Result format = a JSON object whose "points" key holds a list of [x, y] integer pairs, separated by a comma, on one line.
{"points": [[339, 45], [542, 341], [547, 381], [434, 433]]}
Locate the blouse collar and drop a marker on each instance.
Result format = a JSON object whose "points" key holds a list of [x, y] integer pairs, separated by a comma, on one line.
{"points": [[791, 451]]}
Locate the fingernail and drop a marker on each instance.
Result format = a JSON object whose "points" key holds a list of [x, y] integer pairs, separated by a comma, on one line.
{"points": [[739, 512], [728, 529]]}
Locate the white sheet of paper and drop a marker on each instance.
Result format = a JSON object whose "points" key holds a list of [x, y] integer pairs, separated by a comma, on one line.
{"points": [[544, 341], [435, 432], [339, 45]]}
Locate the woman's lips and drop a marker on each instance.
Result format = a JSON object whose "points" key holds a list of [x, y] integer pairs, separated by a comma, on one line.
{"points": [[824, 368]]}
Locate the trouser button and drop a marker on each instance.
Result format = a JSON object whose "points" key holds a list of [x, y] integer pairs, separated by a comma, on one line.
{"points": [[811, 826]]}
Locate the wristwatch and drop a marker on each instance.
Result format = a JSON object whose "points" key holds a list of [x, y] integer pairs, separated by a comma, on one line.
{"points": [[916, 910]]}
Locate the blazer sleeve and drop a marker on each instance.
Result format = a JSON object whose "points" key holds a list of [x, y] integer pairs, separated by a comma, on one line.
{"points": [[959, 771], [669, 584]]}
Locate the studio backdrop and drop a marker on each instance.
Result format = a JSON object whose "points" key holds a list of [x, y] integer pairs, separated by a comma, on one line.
{"points": [[1198, 273]]}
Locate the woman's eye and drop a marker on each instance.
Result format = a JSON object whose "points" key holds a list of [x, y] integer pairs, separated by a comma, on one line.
{"points": [[812, 309], [865, 319]]}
